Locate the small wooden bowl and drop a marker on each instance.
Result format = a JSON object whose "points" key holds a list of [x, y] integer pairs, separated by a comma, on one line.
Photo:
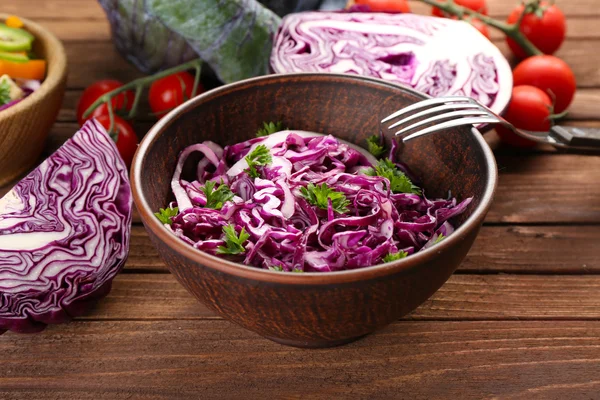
{"points": [[25, 126], [313, 309]]}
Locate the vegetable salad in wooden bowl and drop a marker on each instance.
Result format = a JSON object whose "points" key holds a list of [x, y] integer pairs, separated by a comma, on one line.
{"points": [[33, 73]]}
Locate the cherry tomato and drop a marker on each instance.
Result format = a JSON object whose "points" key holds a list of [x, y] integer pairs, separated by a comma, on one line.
{"points": [[123, 101], [476, 5], [391, 6], [481, 27], [127, 140], [529, 109], [546, 33], [171, 91], [552, 75]]}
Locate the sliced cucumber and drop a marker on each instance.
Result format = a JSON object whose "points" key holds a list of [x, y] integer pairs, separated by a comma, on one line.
{"points": [[13, 39], [16, 57]]}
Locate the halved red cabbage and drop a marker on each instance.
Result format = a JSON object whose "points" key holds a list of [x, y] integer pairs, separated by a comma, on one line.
{"points": [[286, 233], [64, 233], [436, 56]]}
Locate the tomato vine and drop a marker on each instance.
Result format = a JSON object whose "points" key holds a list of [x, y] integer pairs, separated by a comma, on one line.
{"points": [[511, 30]]}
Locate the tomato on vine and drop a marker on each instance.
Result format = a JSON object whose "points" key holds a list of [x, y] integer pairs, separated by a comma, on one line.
{"points": [[529, 109], [476, 5], [171, 91], [126, 141], [391, 6], [123, 101], [481, 27], [550, 74], [545, 27]]}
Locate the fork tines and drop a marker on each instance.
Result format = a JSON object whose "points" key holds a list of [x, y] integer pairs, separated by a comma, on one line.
{"points": [[445, 112]]}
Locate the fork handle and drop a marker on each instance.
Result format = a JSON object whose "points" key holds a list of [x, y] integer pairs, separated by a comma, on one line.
{"points": [[577, 137]]}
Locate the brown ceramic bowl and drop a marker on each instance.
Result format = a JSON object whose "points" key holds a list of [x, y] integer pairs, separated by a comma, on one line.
{"points": [[313, 309], [25, 126]]}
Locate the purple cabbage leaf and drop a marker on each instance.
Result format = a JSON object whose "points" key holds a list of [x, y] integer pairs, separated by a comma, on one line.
{"points": [[64, 233]]}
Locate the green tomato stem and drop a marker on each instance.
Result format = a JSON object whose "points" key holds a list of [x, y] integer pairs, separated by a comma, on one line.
{"points": [[139, 84], [510, 30]]}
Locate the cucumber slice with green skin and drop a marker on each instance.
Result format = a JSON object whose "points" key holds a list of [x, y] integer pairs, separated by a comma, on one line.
{"points": [[13, 39], [13, 57]]}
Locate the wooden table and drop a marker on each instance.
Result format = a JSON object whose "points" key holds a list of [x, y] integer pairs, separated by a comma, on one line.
{"points": [[519, 319]]}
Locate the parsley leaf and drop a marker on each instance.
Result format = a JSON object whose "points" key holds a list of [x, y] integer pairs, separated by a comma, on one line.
{"points": [[215, 198], [165, 214], [399, 182], [4, 93], [269, 128], [260, 156], [439, 238], [233, 242], [319, 195], [374, 146], [394, 256]]}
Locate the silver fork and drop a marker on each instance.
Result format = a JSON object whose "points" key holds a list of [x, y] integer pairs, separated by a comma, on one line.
{"points": [[436, 114]]}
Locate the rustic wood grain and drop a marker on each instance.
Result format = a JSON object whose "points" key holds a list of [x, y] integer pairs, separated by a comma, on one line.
{"points": [[217, 360], [463, 297], [98, 30], [502, 8], [75, 30], [585, 105], [89, 62], [78, 10], [535, 249], [577, 53], [547, 188], [90, 10], [170, 346], [509, 249]]}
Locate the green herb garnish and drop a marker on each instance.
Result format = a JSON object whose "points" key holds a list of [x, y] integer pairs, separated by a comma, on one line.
{"points": [[165, 214], [394, 256], [260, 156], [374, 146], [319, 195], [215, 198], [4, 93], [269, 128], [439, 238], [276, 268], [233, 242], [399, 182]]}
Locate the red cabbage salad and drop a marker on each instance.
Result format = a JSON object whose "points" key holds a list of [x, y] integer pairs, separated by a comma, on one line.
{"points": [[296, 201]]}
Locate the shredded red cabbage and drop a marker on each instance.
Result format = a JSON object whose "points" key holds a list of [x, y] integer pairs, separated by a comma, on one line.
{"points": [[279, 228]]}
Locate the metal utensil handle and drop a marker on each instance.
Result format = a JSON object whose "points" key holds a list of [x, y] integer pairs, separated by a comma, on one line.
{"points": [[577, 137]]}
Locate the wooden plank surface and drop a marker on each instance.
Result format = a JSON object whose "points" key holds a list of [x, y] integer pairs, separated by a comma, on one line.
{"points": [[217, 360], [81, 10], [519, 320], [547, 188], [141, 297], [98, 30]]}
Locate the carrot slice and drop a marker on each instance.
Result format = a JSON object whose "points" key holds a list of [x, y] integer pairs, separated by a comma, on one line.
{"points": [[14, 22], [32, 69]]}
